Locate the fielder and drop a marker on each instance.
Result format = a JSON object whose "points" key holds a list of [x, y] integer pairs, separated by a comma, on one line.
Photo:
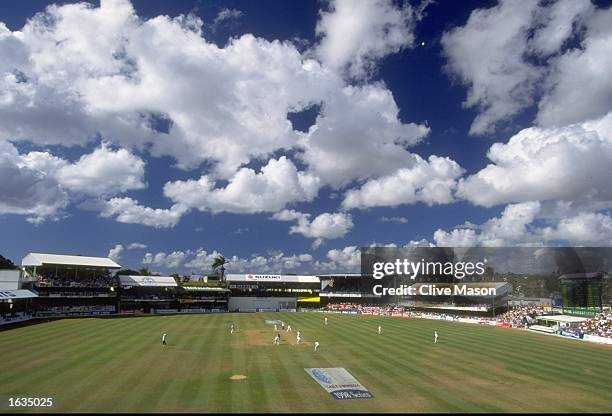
{"points": [[164, 339], [289, 328], [326, 321], [277, 340], [435, 337], [379, 329], [298, 339], [316, 345]]}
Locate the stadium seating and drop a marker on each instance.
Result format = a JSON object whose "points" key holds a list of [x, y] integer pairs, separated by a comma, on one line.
{"points": [[600, 325]]}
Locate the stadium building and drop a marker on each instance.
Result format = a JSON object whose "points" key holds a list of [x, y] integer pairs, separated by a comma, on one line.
{"points": [[146, 294], [348, 288], [15, 302], [364, 290], [59, 285], [162, 294], [272, 292], [194, 298], [71, 285], [469, 298]]}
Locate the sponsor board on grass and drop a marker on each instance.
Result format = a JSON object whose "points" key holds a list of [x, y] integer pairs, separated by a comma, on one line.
{"points": [[339, 383]]}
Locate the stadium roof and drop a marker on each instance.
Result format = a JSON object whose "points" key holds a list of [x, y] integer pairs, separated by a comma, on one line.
{"points": [[342, 275], [151, 281], [41, 259], [206, 288], [562, 318], [17, 294], [271, 278]]}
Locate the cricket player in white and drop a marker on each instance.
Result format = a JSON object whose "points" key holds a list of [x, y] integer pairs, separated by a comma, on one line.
{"points": [[379, 329], [316, 345], [326, 321], [298, 339], [435, 337], [289, 328], [164, 339], [275, 327], [232, 329], [277, 340]]}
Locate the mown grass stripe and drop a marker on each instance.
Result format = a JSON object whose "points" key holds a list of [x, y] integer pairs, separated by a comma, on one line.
{"points": [[391, 341], [425, 364], [521, 352], [61, 357], [391, 364], [120, 365]]}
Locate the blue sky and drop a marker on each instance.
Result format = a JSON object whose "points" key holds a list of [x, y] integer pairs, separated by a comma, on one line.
{"points": [[165, 124]]}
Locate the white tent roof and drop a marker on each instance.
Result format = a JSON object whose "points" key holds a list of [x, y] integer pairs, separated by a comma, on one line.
{"points": [[562, 318], [40, 259], [17, 294], [155, 281]]}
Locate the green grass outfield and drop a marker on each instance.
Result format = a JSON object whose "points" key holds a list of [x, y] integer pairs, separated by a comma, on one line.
{"points": [[92, 365]]}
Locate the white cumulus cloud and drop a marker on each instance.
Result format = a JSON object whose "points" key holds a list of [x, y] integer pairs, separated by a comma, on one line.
{"points": [[432, 182], [517, 54], [115, 252], [571, 163], [78, 73], [355, 34], [579, 87], [28, 186], [276, 185], [102, 172], [325, 226], [536, 224], [127, 210]]}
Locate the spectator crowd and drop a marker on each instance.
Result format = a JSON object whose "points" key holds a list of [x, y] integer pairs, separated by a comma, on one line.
{"points": [[366, 309], [389, 310], [600, 325], [70, 281], [521, 316]]}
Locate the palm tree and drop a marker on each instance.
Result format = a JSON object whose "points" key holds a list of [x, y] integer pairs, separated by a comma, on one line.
{"points": [[219, 264]]}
